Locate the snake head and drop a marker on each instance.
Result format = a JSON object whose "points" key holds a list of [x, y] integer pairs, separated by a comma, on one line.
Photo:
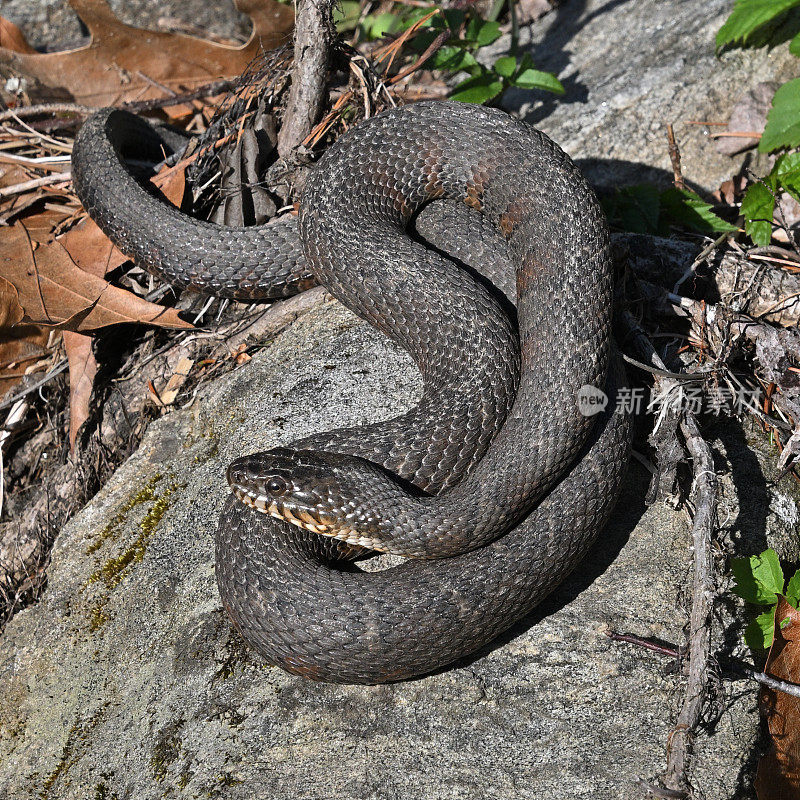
{"points": [[319, 492]]}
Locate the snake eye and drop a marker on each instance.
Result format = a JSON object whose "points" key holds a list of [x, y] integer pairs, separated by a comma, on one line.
{"points": [[276, 486]]}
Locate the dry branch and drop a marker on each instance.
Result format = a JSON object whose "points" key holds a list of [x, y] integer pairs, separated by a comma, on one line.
{"points": [[314, 35]]}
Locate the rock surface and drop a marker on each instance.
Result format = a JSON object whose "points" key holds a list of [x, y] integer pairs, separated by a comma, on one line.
{"points": [[630, 67], [126, 679]]}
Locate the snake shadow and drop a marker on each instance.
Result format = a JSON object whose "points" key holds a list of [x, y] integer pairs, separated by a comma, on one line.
{"points": [[624, 519]]}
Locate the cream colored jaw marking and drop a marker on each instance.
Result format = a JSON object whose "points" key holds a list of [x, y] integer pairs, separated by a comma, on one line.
{"points": [[261, 503]]}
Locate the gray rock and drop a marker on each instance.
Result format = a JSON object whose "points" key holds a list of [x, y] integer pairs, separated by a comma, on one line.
{"points": [[127, 680], [53, 25], [628, 69]]}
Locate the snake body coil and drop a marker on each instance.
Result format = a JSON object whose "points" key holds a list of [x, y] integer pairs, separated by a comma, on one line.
{"points": [[497, 497]]}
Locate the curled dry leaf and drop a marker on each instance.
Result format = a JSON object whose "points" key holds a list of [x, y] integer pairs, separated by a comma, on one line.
{"points": [[778, 776], [82, 371], [116, 65]]}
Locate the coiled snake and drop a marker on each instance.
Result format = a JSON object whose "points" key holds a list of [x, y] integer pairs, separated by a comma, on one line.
{"points": [[496, 496]]}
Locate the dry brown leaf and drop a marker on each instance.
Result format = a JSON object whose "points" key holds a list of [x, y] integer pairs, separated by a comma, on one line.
{"points": [[53, 290], [117, 63], [778, 776], [12, 38], [91, 249], [82, 372], [20, 345]]}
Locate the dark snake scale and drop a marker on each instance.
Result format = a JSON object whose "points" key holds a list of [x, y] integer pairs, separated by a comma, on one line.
{"points": [[432, 222]]}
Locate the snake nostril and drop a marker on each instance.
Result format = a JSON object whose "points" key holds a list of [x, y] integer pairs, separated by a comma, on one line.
{"points": [[235, 474]]}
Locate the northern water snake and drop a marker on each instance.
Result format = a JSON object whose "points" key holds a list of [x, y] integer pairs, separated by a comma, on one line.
{"points": [[537, 487]]}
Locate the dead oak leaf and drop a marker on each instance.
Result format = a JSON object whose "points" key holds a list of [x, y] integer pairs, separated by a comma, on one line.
{"points": [[82, 372], [778, 775], [116, 65], [20, 344], [54, 291]]}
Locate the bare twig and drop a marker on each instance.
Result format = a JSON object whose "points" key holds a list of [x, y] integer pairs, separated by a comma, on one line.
{"points": [[314, 34], [675, 158], [774, 683], [35, 183], [46, 108], [704, 497]]}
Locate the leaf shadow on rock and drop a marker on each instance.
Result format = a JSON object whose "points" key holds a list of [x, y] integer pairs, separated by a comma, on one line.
{"points": [[552, 55]]}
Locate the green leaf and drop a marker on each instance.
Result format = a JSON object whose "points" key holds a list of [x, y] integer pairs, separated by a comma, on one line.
{"points": [[759, 633], [453, 59], [478, 89], [490, 32], [685, 208], [505, 66], [759, 579], [793, 590], [783, 120], [634, 208], [758, 206], [346, 15], [787, 171], [794, 46], [748, 16], [376, 26], [536, 79]]}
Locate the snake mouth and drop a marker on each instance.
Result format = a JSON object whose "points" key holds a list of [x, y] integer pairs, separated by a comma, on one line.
{"points": [[278, 510], [303, 519]]}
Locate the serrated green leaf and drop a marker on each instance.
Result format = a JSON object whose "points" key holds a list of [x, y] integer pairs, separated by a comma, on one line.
{"points": [[759, 633], [758, 206], [687, 209], [793, 590], [794, 46], [634, 208], [748, 16], [505, 66], [471, 29], [489, 32], [787, 171], [478, 89], [536, 79], [767, 571], [783, 120]]}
